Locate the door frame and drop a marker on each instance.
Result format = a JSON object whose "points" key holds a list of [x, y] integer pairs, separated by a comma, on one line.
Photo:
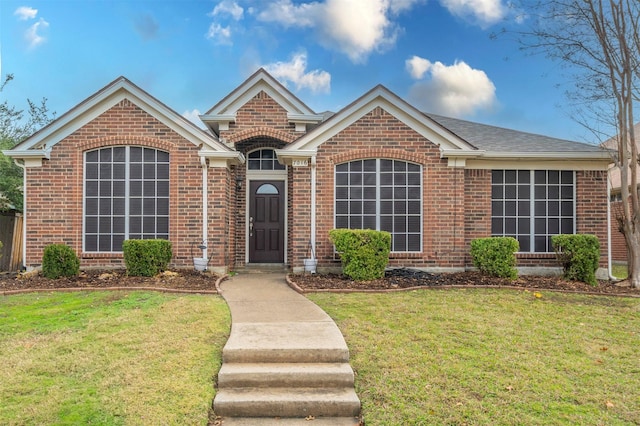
{"points": [[266, 175]]}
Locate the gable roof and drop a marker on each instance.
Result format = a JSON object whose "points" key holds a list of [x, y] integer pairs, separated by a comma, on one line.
{"points": [[39, 145], [382, 97], [224, 112]]}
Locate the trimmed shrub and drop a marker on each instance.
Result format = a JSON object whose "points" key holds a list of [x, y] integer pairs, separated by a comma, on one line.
{"points": [[59, 260], [364, 252], [496, 256], [146, 258], [579, 255]]}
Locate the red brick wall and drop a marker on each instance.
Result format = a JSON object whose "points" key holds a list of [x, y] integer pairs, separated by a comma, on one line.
{"points": [[478, 207], [55, 204], [260, 116], [591, 208], [618, 243]]}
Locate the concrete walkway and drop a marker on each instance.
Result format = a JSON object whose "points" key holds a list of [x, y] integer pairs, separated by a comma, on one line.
{"points": [[285, 359]]}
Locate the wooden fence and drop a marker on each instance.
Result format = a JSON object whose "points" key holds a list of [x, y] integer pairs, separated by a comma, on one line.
{"points": [[11, 238]]}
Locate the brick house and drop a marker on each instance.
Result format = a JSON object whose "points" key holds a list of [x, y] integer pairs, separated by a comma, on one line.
{"points": [[270, 177]]}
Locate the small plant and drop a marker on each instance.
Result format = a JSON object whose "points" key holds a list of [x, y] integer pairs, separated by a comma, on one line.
{"points": [[364, 252], [59, 260], [496, 256], [579, 255], [146, 258]]}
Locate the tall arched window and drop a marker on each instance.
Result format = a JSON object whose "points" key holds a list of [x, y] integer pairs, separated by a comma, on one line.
{"points": [[381, 194], [126, 196]]}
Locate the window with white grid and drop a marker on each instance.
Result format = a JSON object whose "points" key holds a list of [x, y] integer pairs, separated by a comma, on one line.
{"points": [[384, 195], [532, 206], [263, 159], [126, 196]]}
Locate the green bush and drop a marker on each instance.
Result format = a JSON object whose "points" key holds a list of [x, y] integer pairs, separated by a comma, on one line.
{"points": [[579, 255], [364, 252], [496, 256], [59, 260], [146, 258]]}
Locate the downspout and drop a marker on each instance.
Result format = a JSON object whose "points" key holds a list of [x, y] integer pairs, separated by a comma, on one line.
{"points": [[205, 212], [609, 260], [24, 213], [313, 207]]}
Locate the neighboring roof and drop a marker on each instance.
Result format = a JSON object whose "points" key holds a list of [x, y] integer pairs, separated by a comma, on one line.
{"points": [[39, 145], [490, 138], [224, 112], [614, 172]]}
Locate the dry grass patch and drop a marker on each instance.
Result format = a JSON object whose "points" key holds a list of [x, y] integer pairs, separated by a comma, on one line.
{"points": [[480, 357], [110, 358]]}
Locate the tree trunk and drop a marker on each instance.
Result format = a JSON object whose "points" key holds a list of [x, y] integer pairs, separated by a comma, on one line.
{"points": [[633, 259]]}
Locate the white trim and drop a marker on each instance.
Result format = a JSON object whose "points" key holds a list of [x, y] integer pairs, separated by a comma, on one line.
{"points": [[205, 207], [537, 164], [224, 112]]}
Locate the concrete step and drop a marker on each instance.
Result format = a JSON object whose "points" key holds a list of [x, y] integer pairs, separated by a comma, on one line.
{"points": [[280, 375], [285, 402], [279, 421], [285, 342]]}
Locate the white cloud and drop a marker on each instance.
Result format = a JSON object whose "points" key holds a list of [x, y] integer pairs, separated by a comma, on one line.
{"points": [[354, 27], [295, 71], [32, 35], [456, 90], [483, 12], [219, 34], [24, 13], [417, 66], [228, 7], [194, 117]]}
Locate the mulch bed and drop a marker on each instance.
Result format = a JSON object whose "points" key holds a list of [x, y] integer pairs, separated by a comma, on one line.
{"points": [[398, 279], [188, 280], [179, 280]]}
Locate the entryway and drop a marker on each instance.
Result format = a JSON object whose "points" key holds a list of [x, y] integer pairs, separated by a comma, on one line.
{"points": [[266, 221]]}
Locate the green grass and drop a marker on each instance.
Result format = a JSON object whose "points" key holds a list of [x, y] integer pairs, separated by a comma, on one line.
{"points": [[109, 358], [479, 357]]}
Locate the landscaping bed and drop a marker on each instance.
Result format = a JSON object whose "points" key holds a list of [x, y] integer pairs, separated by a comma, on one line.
{"points": [[186, 279], [395, 279]]}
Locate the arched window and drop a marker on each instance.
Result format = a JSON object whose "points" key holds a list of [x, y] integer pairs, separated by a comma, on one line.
{"points": [[267, 189], [384, 195], [126, 196], [264, 159]]}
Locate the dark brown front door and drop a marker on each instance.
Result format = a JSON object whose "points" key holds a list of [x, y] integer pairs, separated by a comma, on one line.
{"points": [[266, 221]]}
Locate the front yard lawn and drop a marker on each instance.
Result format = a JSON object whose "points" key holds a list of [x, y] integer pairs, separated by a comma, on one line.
{"points": [[498, 357], [109, 358]]}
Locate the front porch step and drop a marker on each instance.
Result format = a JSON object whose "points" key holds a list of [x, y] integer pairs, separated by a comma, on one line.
{"points": [[285, 402], [292, 375], [285, 342], [259, 268]]}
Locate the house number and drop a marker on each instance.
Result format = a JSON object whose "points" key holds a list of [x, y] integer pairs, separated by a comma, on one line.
{"points": [[300, 163]]}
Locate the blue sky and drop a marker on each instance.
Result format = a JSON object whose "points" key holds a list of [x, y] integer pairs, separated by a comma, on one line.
{"points": [[436, 54]]}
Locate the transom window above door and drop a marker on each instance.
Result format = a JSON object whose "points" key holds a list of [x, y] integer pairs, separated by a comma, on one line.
{"points": [[264, 159]]}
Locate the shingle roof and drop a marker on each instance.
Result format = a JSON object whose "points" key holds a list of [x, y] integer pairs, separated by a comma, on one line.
{"points": [[498, 139]]}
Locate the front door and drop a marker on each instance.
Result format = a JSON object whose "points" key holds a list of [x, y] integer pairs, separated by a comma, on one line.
{"points": [[266, 221]]}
